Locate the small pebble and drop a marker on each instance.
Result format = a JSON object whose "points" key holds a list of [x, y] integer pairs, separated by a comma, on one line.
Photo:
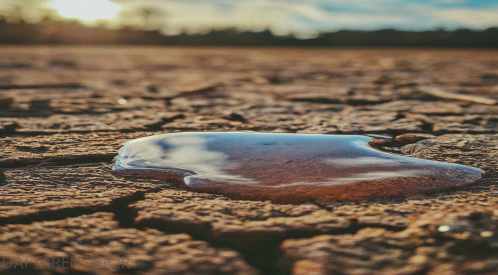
{"points": [[444, 228], [486, 234], [412, 138]]}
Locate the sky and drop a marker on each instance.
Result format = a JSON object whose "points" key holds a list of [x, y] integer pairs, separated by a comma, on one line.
{"points": [[303, 18]]}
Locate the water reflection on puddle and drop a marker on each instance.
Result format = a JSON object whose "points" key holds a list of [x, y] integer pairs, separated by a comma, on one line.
{"points": [[285, 167]]}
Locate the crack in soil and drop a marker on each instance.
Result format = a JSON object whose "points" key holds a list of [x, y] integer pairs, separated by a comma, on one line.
{"points": [[58, 161], [64, 213], [43, 86]]}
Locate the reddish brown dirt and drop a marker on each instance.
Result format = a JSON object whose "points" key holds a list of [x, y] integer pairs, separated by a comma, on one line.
{"points": [[65, 112]]}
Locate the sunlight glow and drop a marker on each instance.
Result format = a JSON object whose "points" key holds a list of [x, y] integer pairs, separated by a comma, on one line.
{"points": [[86, 10]]}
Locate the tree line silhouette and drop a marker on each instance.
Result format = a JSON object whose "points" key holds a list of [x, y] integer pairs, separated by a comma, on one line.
{"points": [[55, 32]]}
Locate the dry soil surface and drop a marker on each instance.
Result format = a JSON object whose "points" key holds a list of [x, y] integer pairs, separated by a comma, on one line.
{"points": [[64, 111]]}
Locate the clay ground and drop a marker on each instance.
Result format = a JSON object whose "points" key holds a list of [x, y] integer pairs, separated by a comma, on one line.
{"points": [[64, 112]]}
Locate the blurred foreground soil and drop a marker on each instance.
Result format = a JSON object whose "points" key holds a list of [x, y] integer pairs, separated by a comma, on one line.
{"points": [[64, 111]]}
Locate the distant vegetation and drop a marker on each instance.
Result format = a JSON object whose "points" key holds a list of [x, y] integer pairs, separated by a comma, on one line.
{"points": [[56, 32]]}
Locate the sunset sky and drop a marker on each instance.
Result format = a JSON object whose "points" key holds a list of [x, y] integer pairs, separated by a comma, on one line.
{"points": [[301, 17]]}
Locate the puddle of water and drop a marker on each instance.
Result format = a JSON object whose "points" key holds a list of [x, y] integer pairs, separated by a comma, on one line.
{"points": [[287, 168]]}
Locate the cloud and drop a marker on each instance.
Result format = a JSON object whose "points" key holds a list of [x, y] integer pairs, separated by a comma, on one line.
{"points": [[312, 16], [450, 1], [481, 18]]}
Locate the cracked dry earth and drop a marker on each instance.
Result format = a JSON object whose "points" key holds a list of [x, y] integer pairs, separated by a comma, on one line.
{"points": [[64, 111]]}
